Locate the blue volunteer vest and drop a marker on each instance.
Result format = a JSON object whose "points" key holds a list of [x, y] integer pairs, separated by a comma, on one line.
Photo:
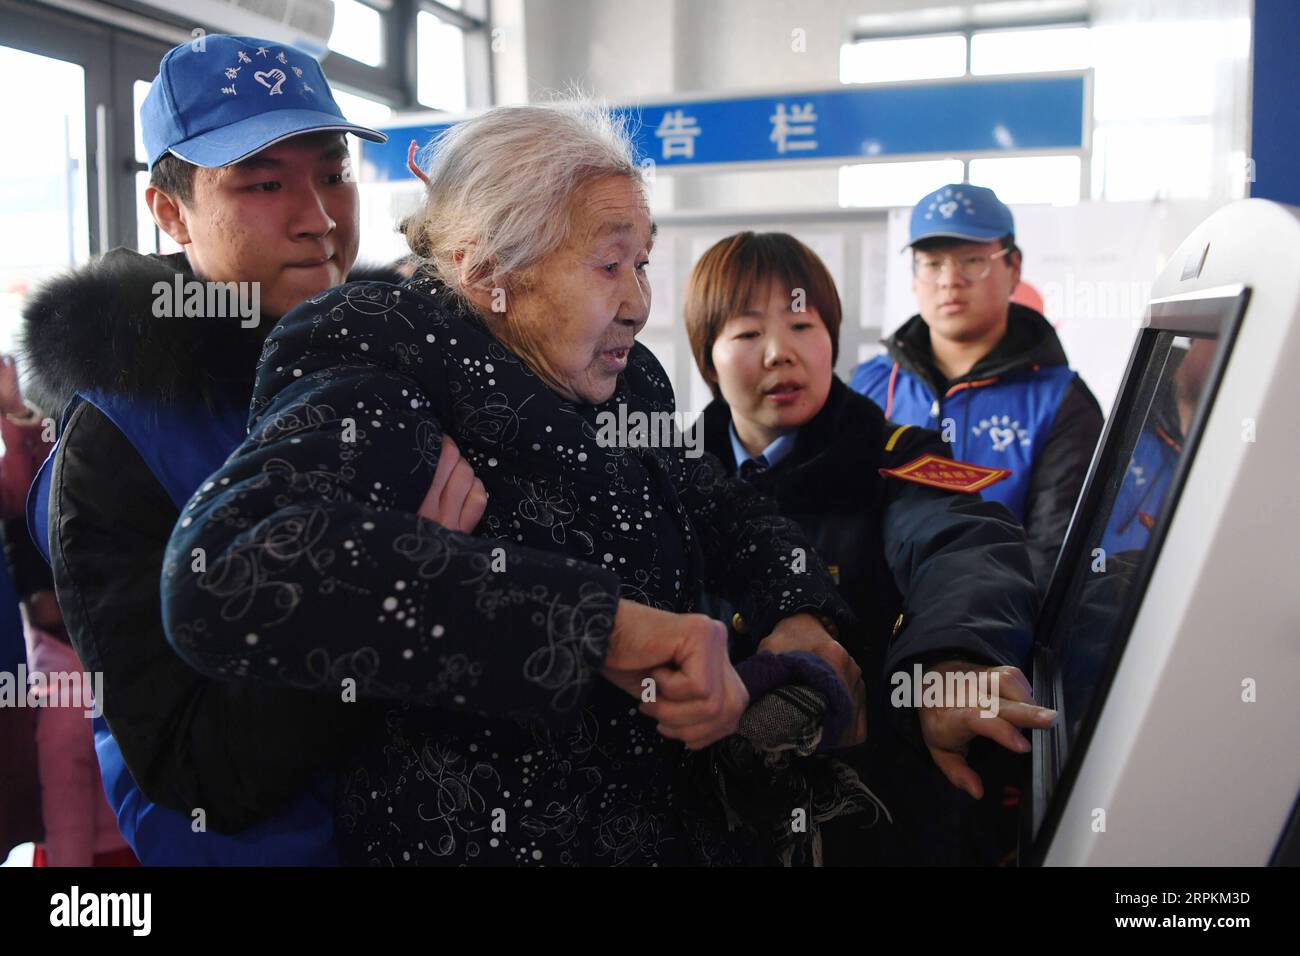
{"points": [[182, 446], [997, 423]]}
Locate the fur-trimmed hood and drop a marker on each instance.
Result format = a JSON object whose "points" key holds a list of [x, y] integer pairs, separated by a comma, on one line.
{"points": [[95, 328]]}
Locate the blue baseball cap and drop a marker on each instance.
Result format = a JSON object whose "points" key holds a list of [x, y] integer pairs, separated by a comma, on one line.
{"points": [[961, 211], [219, 99]]}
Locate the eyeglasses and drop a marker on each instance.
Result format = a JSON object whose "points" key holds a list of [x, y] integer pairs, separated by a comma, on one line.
{"points": [[929, 268]]}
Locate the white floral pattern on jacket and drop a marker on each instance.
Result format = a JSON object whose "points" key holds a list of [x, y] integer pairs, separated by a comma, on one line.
{"points": [[500, 744]]}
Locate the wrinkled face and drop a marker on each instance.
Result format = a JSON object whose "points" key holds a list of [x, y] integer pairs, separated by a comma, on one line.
{"points": [[575, 316], [961, 309], [285, 217], [773, 364]]}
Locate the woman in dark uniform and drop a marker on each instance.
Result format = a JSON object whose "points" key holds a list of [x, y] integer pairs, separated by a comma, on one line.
{"points": [[938, 577]]}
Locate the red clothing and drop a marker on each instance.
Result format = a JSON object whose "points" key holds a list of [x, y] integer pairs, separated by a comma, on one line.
{"points": [[79, 824], [24, 451]]}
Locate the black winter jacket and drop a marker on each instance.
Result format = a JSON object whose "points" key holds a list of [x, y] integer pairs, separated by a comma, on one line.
{"points": [[507, 746], [189, 741]]}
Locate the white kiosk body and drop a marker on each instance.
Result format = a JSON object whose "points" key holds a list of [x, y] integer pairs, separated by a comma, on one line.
{"points": [[1170, 636]]}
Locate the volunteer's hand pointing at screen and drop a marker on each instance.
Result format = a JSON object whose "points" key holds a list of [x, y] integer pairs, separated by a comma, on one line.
{"points": [[948, 729]]}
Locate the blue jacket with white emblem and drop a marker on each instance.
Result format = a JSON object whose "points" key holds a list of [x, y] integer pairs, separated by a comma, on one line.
{"points": [[1020, 408]]}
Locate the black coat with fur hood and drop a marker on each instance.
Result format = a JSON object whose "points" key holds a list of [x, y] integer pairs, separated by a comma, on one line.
{"points": [[95, 328], [240, 753]]}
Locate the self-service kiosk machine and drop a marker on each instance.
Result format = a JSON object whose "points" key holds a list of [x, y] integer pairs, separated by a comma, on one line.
{"points": [[1170, 636]]}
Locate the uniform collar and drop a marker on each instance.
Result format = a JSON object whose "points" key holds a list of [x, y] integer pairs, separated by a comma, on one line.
{"points": [[773, 453]]}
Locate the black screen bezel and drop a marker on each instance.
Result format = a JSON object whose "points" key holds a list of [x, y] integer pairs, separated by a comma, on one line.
{"points": [[1216, 313]]}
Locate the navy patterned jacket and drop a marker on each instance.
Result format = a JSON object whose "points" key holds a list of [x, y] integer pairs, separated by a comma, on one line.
{"points": [[502, 743]]}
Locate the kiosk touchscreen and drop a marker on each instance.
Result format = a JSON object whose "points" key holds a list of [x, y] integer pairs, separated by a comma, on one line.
{"points": [[1170, 637]]}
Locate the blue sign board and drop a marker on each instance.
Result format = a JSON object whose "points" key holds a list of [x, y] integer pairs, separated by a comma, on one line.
{"points": [[844, 124]]}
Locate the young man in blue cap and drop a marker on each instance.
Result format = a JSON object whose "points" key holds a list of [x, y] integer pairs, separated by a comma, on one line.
{"points": [[152, 360], [987, 373]]}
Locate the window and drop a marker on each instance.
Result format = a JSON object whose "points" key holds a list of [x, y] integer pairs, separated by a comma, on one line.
{"points": [[410, 55], [1016, 179], [1160, 160], [147, 234], [43, 201], [440, 61], [1167, 95], [1054, 179], [908, 58], [1149, 70], [1031, 51], [148, 237], [362, 109], [358, 32], [895, 184], [139, 90]]}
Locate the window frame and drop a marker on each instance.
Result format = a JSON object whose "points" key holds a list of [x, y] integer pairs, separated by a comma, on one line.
{"points": [[126, 43], [395, 81], [968, 29], [112, 58]]}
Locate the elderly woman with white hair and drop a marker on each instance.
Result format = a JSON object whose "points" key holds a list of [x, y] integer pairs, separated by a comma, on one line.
{"points": [[539, 677]]}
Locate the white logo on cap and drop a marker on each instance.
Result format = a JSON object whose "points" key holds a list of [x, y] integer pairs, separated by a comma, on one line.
{"points": [[950, 204], [272, 80]]}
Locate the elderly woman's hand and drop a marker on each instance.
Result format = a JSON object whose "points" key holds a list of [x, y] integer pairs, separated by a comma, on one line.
{"points": [[456, 498], [803, 632], [694, 692]]}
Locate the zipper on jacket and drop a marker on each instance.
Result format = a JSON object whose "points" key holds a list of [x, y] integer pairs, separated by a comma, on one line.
{"points": [[935, 407], [958, 443]]}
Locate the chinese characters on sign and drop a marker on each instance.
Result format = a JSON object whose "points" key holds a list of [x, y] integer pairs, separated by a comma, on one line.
{"points": [[790, 131], [842, 125], [678, 132], [800, 122]]}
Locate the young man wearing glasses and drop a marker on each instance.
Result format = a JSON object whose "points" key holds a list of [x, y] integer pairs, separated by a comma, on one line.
{"points": [[987, 373]]}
